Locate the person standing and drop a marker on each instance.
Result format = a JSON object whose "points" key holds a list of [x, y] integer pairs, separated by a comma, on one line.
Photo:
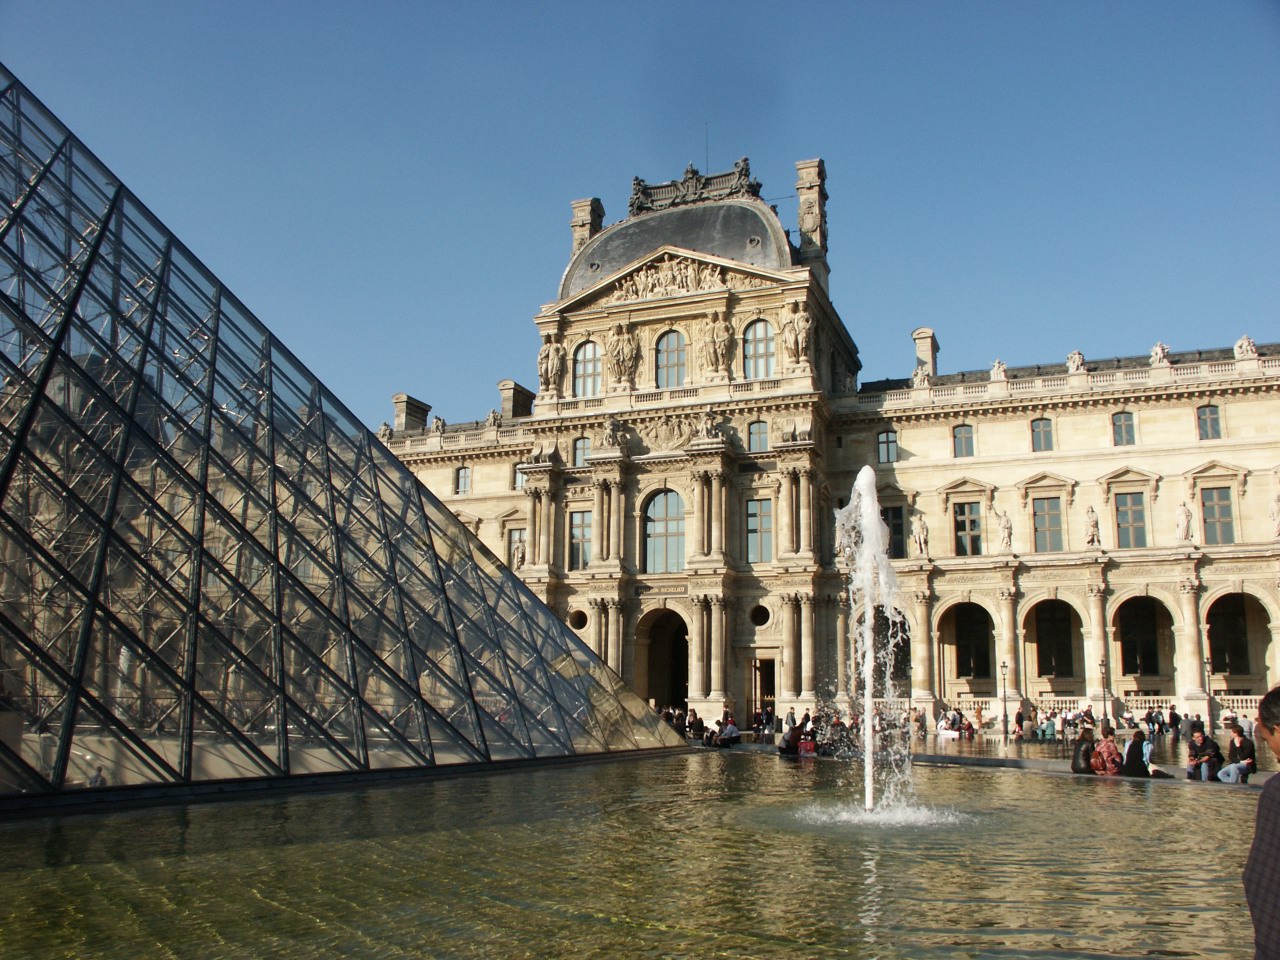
{"points": [[1262, 870], [1241, 758]]}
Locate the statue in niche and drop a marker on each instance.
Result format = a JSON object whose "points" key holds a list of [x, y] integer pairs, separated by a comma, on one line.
{"points": [[999, 371], [718, 346], [1160, 355], [805, 330], [517, 554], [708, 429], [384, 432], [1275, 514], [1182, 524], [624, 354], [1092, 538], [1006, 533], [551, 360], [1245, 348], [1075, 362], [791, 332], [921, 535], [919, 377]]}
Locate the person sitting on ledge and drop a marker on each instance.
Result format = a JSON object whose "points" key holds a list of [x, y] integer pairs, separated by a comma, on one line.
{"points": [[1106, 755], [1082, 753], [1241, 758], [1204, 757], [696, 725], [1136, 755], [789, 745], [729, 734]]}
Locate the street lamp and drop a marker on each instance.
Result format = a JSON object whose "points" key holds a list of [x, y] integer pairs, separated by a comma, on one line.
{"points": [[1004, 703], [1208, 689], [1102, 668]]}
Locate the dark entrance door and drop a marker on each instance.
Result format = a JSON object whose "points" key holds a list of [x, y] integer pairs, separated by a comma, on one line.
{"points": [[669, 661]]}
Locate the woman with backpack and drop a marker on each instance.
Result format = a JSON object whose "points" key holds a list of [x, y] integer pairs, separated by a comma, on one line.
{"points": [[1106, 756]]}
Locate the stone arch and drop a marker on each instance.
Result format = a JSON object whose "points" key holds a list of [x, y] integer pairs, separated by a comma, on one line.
{"points": [[1142, 645], [663, 655], [1052, 634], [1238, 630], [966, 649]]}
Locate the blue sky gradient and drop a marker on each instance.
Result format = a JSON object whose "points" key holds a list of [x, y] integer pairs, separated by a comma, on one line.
{"points": [[387, 184]]}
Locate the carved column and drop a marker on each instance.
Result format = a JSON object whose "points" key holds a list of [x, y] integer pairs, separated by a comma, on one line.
{"points": [[785, 544], [615, 518], [1188, 650], [790, 649], [615, 638], [698, 650], [807, 664], [597, 519], [699, 514], [845, 683], [598, 637], [717, 648], [717, 513], [535, 521], [924, 670], [545, 526], [1095, 647], [1008, 648], [806, 513]]}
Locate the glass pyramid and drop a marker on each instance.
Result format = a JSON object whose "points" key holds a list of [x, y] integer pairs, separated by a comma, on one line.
{"points": [[211, 571]]}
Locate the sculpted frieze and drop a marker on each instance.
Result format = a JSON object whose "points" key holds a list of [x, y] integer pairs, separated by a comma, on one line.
{"points": [[668, 433], [675, 276]]}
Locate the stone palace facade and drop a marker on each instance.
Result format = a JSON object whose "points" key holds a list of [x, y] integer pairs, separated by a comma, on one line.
{"points": [[1097, 532]]}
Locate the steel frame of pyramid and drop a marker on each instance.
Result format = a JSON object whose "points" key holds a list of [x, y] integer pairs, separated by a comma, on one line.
{"points": [[211, 572]]}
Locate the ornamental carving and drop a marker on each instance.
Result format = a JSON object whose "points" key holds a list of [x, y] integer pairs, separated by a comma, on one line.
{"points": [[692, 188], [669, 433], [674, 276]]}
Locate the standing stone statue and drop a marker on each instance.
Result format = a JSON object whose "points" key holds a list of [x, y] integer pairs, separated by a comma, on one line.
{"points": [[791, 332], [1160, 355], [1245, 348], [719, 348], [624, 354], [1092, 538], [921, 534], [1006, 533], [1075, 362], [1182, 528], [999, 371], [550, 363]]}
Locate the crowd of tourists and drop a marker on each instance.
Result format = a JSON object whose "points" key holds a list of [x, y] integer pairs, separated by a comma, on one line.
{"points": [[1103, 756]]}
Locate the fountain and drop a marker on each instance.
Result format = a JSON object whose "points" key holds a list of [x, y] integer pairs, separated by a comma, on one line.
{"points": [[862, 541]]}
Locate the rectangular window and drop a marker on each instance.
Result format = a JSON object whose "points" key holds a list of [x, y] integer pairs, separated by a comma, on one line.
{"points": [[973, 642], [1041, 435], [759, 531], [579, 539], [462, 481], [517, 479], [887, 446], [1216, 504], [962, 440], [1046, 517], [895, 519], [968, 519], [1207, 422], [1122, 433], [1131, 521]]}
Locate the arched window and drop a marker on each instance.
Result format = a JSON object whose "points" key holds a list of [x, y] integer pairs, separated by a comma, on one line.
{"points": [[670, 359], [887, 446], [664, 533], [581, 450], [1207, 422], [757, 436], [1041, 435], [962, 440], [757, 350], [586, 370]]}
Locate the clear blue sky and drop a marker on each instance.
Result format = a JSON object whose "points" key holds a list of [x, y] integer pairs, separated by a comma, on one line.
{"points": [[387, 184]]}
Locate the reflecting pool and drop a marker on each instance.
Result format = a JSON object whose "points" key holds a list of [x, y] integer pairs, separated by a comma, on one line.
{"points": [[717, 853]]}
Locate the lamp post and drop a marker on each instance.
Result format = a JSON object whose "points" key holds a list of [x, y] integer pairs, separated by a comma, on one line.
{"points": [[1004, 702], [1102, 668], [1208, 689]]}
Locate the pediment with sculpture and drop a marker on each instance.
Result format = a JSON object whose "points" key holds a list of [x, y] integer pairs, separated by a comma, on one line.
{"points": [[670, 272]]}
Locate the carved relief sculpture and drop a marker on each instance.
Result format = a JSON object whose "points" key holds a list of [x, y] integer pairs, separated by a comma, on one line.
{"points": [[999, 371], [613, 435], [1245, 348], [919, 377], [551, 360], [1075, 362], [1006, 533], [1160, 355], [1275, 514], [718, 343]]}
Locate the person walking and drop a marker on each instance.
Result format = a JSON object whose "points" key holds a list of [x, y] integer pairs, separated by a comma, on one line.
{"points": [[1262, 870]]}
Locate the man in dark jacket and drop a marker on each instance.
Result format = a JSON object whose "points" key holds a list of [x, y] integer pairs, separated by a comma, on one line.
{"points": [[1204, 757], [1241, 758], [1262, 871]]}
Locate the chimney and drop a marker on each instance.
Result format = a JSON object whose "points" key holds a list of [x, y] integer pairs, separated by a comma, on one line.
{"points": [[411, 415], [516, 400], [588, 215], [926, 350]]}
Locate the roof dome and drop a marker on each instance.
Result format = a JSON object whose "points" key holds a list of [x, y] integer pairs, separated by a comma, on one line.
{"points": [[745, 230]]}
